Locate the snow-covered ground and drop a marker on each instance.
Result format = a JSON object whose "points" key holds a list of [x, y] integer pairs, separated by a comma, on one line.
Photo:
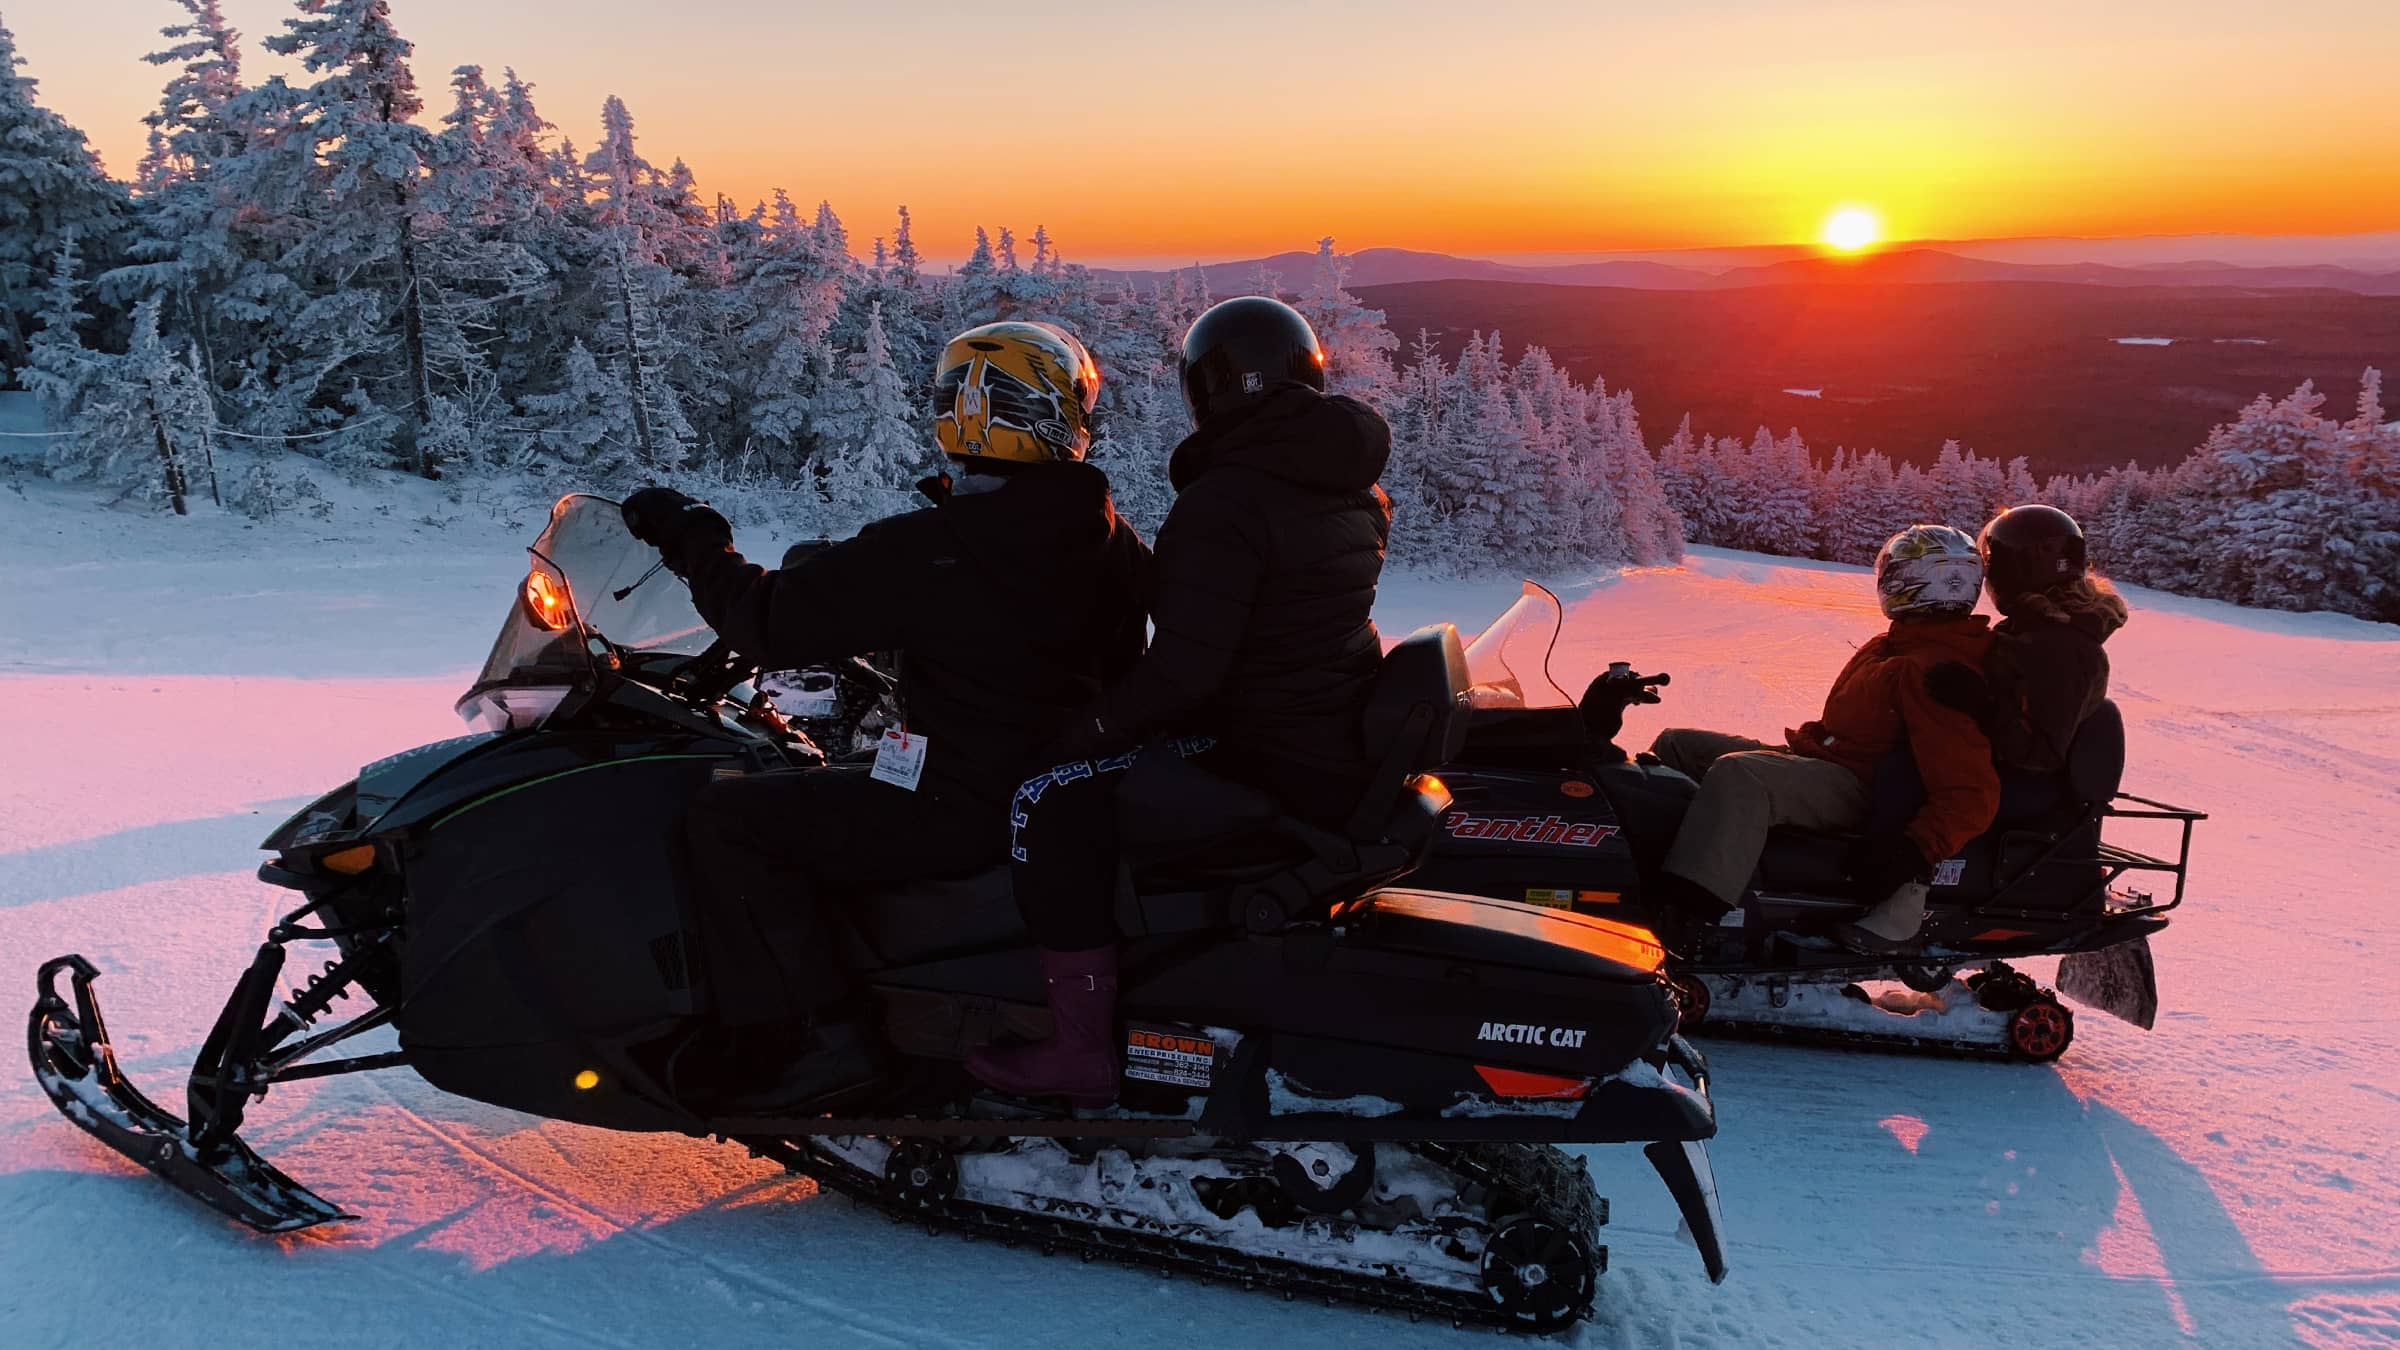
{"points": [[169, 690]]}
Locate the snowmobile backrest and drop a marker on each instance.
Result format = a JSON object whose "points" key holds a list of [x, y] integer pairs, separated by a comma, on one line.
{"points": [[1420, 697], [1415, 721], [2096, 758]]}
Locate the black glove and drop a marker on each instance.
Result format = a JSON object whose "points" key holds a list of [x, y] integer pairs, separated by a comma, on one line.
{"points": [[1882, 863], [674, 524], [1959, 686]]}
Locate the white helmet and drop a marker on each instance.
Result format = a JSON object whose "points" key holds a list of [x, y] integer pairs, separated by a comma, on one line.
{"points": [[1928, 572]]}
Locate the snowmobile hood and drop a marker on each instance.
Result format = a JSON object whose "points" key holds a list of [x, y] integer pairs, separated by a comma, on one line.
{"points": [[1049, 522], [1324, 441]]}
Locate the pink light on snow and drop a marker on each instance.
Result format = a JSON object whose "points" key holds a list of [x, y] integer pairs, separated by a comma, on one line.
{"points": [[1907, 1129]]}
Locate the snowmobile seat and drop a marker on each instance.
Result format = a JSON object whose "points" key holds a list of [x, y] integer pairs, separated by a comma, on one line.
{"points": [[1203, 852]]}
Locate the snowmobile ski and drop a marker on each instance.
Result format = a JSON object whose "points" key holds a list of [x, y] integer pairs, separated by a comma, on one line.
{"points": [[77, 1067]]}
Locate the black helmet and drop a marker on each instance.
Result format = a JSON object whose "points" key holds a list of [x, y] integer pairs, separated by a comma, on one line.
{"points": [[1242, 348], [2027, 549]]}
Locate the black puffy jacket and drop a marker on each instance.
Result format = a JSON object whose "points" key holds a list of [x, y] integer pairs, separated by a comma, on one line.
{"points": [[1264, 579], [1010, 609]]}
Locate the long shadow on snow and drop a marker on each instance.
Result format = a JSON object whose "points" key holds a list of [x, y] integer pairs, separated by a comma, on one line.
{"points": [[1991, 1183], [163, 852], [766, 1265]]}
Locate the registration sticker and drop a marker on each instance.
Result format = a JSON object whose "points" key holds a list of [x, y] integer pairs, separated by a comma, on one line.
{"points": [[1161, 1054], [1550, 899]]}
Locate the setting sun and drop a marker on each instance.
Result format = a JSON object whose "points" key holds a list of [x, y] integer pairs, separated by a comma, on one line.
{"points": [[1852, 228]]}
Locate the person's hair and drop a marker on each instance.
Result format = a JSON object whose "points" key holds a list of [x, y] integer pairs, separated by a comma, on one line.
{"points": [[2085, 593]]}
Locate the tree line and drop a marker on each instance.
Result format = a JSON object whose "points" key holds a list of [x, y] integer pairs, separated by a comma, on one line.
{"points": [[314, 271]]}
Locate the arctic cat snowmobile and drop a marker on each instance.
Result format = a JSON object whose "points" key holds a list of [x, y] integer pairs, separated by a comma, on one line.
{"points": [[1332, 1087], [1547, 808]]}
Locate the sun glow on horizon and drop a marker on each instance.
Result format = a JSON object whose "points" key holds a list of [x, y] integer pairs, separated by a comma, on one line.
{"points": [[1852, 228]]}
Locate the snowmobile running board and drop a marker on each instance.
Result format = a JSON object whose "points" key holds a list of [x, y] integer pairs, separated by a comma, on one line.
{"points": [[77, 1067]]}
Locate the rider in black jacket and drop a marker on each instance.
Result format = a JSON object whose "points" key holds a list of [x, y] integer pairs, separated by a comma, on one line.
{"points": [[1263, 651], [1011, 603]]}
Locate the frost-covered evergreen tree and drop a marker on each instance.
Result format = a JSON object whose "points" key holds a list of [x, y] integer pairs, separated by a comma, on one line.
{"points": [[51, 186], [142, 420], [194, 127], [60, 370], [873, 454], [1358, 347]]}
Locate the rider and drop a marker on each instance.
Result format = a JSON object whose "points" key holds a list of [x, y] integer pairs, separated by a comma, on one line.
{"points": [[1266, 573], [1926, 577], [2046, 671], [1011, 603]]}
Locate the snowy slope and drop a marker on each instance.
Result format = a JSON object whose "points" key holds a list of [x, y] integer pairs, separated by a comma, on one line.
{"points": [[2232, 1178]]}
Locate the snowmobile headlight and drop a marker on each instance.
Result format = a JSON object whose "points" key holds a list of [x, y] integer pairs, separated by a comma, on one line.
{"points": [[545, 600], [349, 861]]}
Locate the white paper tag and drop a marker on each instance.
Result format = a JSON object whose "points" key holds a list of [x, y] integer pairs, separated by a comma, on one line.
{"points": [[899, 758], [1949, 871]]}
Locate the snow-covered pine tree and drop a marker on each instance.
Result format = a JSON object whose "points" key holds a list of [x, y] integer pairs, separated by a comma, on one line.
{"points": [[1358, 347], [907, 263], [1678, 476], [2369, 575], [788, 292], [60, 369], [51, 186], [139, 421], [363, 261], [1653, 531], [872, 453]]}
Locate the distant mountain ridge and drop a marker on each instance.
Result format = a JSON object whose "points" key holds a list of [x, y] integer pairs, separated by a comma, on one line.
{"points": [[1900, 265]]}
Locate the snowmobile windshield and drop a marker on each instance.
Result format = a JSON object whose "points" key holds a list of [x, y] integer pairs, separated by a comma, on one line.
{"points": [[1508, 663], [589, 580]]}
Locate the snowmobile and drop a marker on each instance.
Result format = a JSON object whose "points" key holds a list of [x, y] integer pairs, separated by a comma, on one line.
{"points": [[1547, 808], [1333, 1086]]}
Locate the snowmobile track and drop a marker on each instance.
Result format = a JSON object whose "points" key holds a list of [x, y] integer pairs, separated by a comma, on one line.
{"points": [[1549, 1185]]}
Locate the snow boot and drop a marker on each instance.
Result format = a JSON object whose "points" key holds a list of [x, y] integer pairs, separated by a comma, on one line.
{"points": [[1682, 914], [1890, 928], [1079, 1061]]}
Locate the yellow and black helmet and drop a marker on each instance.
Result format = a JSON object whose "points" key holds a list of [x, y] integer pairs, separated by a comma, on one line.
{"points": [[1014, 392]]}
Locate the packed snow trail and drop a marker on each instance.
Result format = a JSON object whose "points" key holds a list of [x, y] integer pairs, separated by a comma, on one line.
{"points": [[168, 691]]}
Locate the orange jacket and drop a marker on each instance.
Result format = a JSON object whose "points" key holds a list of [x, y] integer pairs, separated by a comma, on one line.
{"points": [[1881, 696]]}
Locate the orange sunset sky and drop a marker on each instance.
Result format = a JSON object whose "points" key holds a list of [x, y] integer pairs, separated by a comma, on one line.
{"points": [[1152, 132]]}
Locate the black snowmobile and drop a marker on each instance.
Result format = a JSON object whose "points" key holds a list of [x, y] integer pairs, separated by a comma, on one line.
{"points": [[1546, 808], [1333, 1087]]}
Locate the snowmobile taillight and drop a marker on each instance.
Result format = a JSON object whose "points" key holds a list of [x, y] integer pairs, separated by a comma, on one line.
{"points": [[349, 861], [1547, 1087], [545, 600]]}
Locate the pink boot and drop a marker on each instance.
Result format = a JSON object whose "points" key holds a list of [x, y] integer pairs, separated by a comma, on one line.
{"points": [[1079, 1061]]}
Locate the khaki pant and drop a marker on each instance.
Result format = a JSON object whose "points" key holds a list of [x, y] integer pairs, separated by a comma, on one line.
{"points": [[1748, 787]]}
